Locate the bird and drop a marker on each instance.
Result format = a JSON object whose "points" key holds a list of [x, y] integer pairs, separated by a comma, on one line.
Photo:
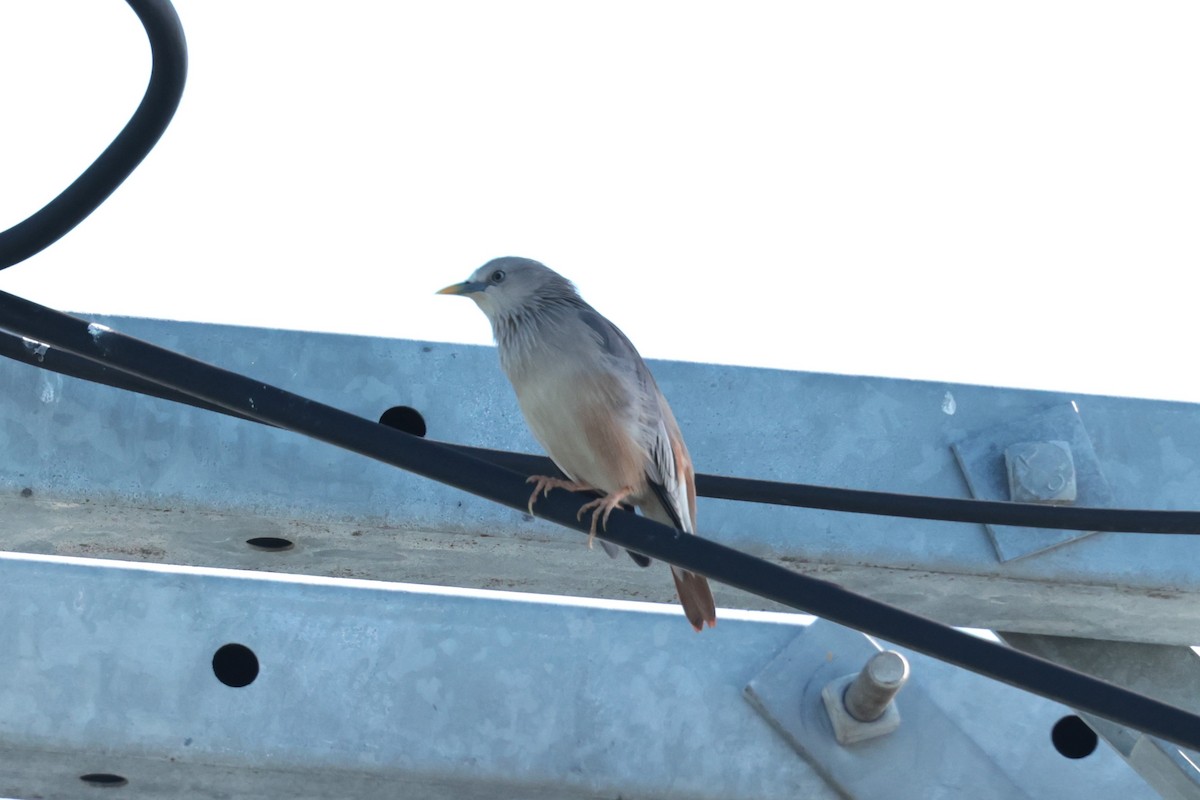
{"points": [[590, 401]]}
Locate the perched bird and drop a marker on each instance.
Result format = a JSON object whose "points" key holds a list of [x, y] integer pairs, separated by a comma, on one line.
{"points": [[591, 402]]}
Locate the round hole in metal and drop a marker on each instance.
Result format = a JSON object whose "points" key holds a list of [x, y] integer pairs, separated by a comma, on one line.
{"points": [[404, 418], [1073, 738], [235, 665], [272, 544]]}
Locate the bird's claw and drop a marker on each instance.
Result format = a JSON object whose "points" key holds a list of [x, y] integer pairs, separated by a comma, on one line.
{"points": [[601, 508], [545, 483]]}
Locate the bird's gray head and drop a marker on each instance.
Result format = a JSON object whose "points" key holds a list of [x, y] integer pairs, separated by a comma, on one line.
{"points": [[511, 289]]}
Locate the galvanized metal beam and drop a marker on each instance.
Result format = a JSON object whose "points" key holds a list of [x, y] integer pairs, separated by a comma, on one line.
{"points": [[114, 469], [1170, 674], [183, 681]]}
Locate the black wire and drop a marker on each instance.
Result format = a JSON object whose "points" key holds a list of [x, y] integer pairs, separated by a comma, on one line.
{"points": [[121, 157], [282, 409], [950, 509], [749, 490], [54, 360]]}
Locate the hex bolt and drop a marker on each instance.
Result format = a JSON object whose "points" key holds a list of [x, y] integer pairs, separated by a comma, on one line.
{"points": [[860, 705], [870, 694]]}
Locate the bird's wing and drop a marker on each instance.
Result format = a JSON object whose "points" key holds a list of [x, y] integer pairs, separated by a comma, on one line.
{"points": [[667, 463], [670, 460]]}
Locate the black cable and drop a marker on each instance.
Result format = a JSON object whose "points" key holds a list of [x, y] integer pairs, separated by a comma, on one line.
{"points": [[282, 409], [121, 157], [54, 360], [949, 509], [749, 490]]}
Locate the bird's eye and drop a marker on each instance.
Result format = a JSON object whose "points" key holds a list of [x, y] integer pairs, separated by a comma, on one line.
{"points": [[498, 276]]}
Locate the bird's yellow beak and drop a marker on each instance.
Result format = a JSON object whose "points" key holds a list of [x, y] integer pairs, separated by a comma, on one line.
{"points": [[466, 287]]}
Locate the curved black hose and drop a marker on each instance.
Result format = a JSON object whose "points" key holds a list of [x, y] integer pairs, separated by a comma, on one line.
{"points": [[57, 218]]}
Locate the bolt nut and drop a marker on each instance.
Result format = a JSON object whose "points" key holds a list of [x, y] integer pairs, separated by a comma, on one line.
{"points": [[1041, 472], [860, 706], [868, 696]]}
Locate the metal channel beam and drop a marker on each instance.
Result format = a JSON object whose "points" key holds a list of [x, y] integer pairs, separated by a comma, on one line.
{"points": [[1170, 674], [371, 690], [88, 470]]}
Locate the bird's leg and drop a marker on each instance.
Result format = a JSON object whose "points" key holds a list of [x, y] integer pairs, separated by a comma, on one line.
{"points": [[601, 508], [545, 484]]}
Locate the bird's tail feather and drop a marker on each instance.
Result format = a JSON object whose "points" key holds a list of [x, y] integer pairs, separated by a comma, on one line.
{"points": [[696, 598], [694, 593]]}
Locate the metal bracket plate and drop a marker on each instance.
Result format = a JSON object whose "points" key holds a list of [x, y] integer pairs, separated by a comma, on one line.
{"points": [[961, 735], [981, 458], [788, 693]]}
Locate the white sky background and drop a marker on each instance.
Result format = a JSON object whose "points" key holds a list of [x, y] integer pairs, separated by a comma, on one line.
{"points": [[999, 193]]}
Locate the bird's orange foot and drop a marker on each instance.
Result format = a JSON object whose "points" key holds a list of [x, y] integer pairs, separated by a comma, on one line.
{"points": [[601, 508], [545, 484]]}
